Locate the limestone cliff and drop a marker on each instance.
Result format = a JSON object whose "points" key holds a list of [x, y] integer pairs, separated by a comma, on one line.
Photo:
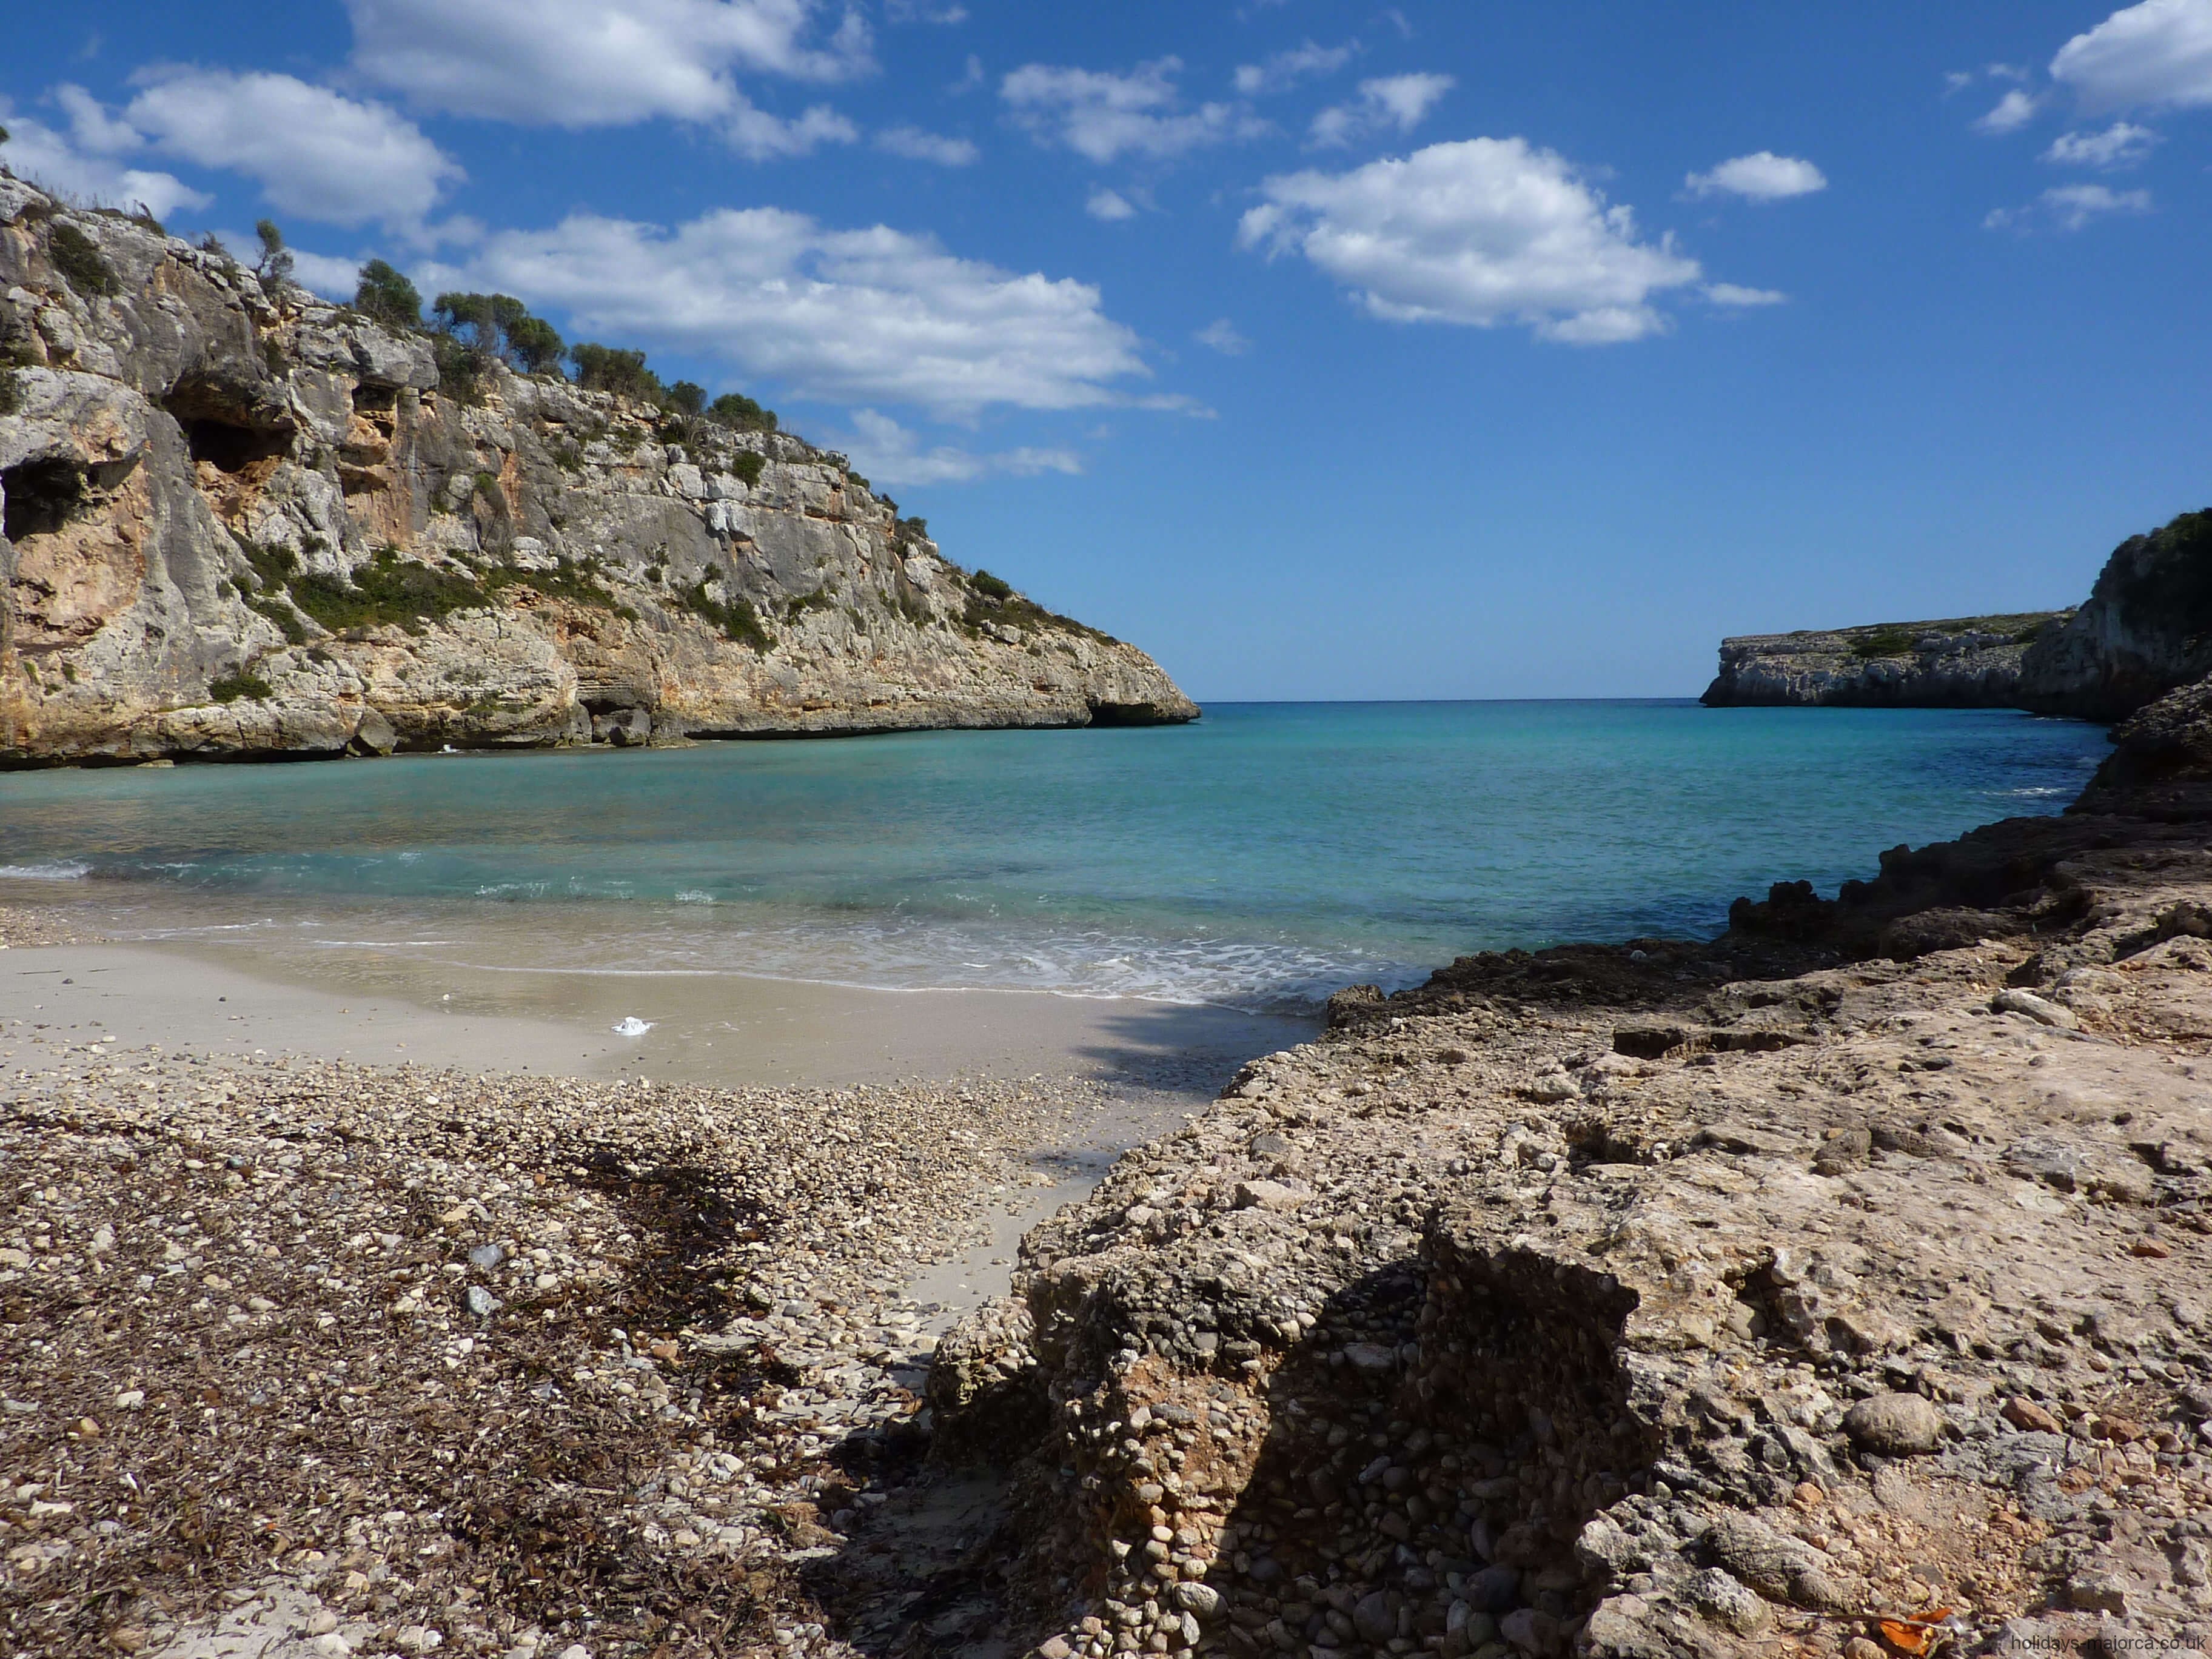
{"points": [[2145, 630], [1966, 663], [239, 520]]}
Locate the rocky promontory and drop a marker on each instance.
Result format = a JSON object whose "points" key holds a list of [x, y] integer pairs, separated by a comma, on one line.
{"points": [[2145, 629], [1964, 663], [241, 521]]}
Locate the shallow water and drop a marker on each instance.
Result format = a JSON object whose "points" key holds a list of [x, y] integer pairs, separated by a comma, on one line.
{"points": [[1259, 859]]}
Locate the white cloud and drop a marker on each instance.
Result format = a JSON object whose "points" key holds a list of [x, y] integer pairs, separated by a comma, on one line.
{"points": [[2068, 207], [1482, 231], [1286, 69], [971, 77], [2120, 145], [887, 452], [92, 127], [1732, 294], [873, 316], [916, 145], [1109, 205], [1402, 101], [1221, 335], [315, 154], [912, 11], [1103, 115], [63, 163], [599, 62], [2011, 114], [2075, 205], [760, 136], [2157, 53], [1762, 176]]}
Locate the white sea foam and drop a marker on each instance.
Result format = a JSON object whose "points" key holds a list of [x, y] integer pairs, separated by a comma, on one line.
{"points": [[55, 870], [631, 1026]]}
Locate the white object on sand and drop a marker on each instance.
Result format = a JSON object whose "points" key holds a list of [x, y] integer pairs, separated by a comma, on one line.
{"points": [[631, 1026]]}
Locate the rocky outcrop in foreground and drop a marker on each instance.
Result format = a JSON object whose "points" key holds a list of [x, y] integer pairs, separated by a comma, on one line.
{"points": [[1962, 664], [1838, 1287], [240, 521]]}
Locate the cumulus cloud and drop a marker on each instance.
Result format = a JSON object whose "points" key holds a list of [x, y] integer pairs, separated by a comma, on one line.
{"points": [[2011, 114], [1482, 231], [1109, 205], [1103, 115], [1762, 176], [916, 145], [2157, 53], [82, 163], [1392, 101], [604, 62], [870, 316], [1733, 294], [1220, 335], [316, 154], [890, 453], [2120, 145], [1286, 69], [760, 136], [2069, 207], [912, 11]]}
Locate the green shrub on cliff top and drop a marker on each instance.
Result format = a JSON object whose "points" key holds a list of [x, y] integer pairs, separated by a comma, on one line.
{"points": [[2166, 585], [991, 600], [384, 295], [740, 413]]}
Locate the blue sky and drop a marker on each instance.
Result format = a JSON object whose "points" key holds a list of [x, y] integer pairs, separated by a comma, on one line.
{"points": [[1433, 350]]}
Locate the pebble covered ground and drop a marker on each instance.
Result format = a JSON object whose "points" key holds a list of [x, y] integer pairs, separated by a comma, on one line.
{"points": [[307, 1358]]}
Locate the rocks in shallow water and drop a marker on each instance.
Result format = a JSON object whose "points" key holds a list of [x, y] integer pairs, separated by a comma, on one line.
{"points": [[1895, 1426]]}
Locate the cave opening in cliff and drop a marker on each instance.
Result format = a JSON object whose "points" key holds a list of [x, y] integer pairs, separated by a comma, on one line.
{"points": [[41, 498], [230, 447]]}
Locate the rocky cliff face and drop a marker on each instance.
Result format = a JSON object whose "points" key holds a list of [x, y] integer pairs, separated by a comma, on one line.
{"points": [[1973, 662], [2145, 630], [240, 521]]}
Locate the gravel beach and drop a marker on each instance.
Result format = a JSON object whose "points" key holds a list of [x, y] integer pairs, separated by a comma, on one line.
{"points": [[309, 1356]]}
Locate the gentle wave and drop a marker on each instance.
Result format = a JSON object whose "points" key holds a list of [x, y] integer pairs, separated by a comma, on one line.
{"points": [[58, 869]]}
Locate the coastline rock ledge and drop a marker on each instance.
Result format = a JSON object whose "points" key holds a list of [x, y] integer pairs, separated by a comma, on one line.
{"points": [[2145, 630], [240, 521], [1965, 663]]}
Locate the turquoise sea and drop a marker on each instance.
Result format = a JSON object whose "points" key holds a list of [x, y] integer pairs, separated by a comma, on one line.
{"points": [[1260, 858]]}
